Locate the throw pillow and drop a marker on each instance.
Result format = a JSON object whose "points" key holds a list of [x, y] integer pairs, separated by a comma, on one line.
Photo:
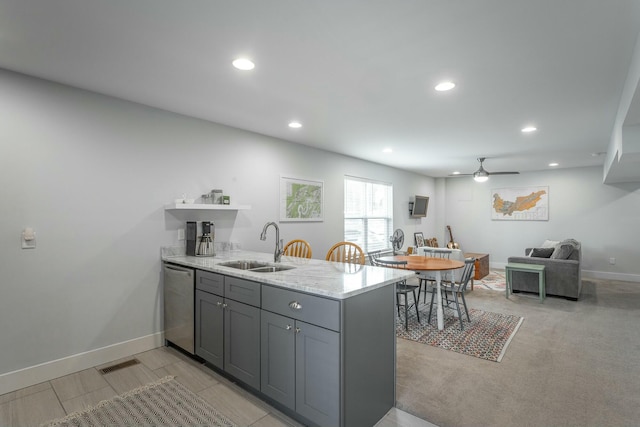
{"points": [[550, 244], [563, 251], [542, 252]]}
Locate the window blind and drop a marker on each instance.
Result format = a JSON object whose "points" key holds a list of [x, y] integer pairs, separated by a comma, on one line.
{"points": [[368, 213]]}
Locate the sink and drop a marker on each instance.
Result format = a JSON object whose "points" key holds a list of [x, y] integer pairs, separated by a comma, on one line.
{"points": [[271, 268], [244, 265], [255, 266]]}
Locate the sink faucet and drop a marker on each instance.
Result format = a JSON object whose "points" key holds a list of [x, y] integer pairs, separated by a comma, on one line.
{"points": [[278, 252]]}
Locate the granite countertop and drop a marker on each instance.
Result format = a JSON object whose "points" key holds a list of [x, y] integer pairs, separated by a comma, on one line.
{"points": [[330, 279]]}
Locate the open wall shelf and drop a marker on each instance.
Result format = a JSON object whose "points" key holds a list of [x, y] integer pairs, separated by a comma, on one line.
{"points": [[205, 207]]}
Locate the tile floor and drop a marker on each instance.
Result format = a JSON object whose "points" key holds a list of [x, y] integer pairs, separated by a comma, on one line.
{"points": [[34, 405]]}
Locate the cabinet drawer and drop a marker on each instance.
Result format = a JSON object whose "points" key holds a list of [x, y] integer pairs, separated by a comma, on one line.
{"points": [[308, 308], [210, 282], [242, 290]]}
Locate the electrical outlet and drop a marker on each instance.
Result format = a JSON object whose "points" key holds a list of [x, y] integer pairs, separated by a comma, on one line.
{"points": [[612, 261], [180, 233]]}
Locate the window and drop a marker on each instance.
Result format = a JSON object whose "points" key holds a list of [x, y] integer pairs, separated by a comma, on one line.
{"points": [[368, 213]]}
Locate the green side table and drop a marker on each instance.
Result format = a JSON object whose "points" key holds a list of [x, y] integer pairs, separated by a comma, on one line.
{"points": [[527, 268]]}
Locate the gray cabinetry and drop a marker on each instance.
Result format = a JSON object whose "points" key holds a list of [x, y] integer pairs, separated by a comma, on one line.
{"points": [[301, 361], [242, 342], [326, 362], [228, 331], [278, 361], [318, 374], [209, 328]]}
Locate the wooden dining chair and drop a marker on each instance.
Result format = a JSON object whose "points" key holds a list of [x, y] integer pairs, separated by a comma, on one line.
{"points": [[347, 252], [297, 248]]}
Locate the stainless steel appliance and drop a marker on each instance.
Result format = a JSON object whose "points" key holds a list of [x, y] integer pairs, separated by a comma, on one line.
{"points": [[178, 290], [205, 247]]}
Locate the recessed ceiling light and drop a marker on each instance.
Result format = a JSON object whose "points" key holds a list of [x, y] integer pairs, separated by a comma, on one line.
{"points": [[529, 129], [387, 150], [553, 164], [444, 86], [455, 173], [243, 64], [295, 125]]}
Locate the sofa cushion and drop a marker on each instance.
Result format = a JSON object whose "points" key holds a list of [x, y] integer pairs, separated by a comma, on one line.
{"points": [[550, 243], [542, 252], [562, 251]]}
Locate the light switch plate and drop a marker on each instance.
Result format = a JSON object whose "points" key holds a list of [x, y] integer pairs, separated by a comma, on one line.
{"points": [[29, 244]]}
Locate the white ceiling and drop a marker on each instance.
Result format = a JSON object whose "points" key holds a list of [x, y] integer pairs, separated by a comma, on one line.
{"points": [[358, 74]]}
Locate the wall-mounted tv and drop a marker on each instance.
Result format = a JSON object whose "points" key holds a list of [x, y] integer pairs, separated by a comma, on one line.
{"points": [[420, 205]]}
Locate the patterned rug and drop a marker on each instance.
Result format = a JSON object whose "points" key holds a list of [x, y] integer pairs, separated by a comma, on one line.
{"points": [[486, 337], [494, 281], [163, 403]]}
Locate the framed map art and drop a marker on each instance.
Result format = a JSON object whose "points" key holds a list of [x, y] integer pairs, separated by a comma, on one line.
{"points": [[520, 204], [301, 199]]}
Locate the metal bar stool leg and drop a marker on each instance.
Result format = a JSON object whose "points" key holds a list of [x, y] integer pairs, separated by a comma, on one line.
{"points": [[415, 301], [431, 307], [464, 303], [456, 301], [406, 310]]}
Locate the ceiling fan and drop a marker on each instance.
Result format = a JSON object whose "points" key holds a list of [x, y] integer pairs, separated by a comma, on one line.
{"points": [[481, 175]]}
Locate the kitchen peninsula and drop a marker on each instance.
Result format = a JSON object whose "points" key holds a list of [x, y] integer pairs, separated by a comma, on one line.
{"points": [[315, 339]]}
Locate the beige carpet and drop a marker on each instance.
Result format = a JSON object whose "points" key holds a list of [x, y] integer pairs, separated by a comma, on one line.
{"points": [[163, 403], [570, 364]]}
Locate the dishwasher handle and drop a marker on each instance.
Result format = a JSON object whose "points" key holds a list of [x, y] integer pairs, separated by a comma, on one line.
{"points": [[187, 271]]}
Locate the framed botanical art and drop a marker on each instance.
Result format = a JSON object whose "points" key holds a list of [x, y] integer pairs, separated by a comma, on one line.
{"points": [[419, 239], [301, 199]]}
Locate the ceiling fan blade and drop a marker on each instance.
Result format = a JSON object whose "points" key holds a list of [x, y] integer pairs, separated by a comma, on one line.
{"points": [[504, 173], [461, 174]]}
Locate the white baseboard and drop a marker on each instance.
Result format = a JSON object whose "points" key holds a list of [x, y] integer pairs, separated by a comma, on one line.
{"points": [[605, 275], [611, 276], [32, 375]]}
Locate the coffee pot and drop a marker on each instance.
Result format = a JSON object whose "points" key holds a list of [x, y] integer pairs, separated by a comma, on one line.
{"points": [[205, 247]]}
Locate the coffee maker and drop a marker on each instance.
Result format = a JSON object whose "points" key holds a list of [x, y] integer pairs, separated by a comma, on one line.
{"points": [[204, 245]]}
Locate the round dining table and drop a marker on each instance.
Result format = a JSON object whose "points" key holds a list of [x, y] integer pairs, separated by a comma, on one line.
{"points": [[435, 265]]}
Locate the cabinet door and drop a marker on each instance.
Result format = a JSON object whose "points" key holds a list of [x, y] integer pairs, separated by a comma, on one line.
{"points": [[318, 374], [209, 327], [278, 362], [242, 342]]}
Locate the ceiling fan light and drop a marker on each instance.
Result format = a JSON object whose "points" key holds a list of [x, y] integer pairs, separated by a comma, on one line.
{"points": [[445, 86], [480, 178], [243, 64]]}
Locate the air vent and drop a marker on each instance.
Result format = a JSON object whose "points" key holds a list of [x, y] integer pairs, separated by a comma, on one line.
{"points": [[118, 366]]}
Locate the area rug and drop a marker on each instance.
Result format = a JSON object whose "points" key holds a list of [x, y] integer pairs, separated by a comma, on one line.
{"points": [[487, 336], [494, 281], [163, 403]]}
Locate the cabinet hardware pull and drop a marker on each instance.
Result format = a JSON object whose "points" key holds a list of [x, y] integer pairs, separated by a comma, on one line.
{"points": [[224, 305], [218, 303], [297, 330], [295, 305], [288, 327]]}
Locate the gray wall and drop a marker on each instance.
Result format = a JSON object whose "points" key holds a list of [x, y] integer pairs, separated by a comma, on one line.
{"points": [[91, 174], [605, 218]]}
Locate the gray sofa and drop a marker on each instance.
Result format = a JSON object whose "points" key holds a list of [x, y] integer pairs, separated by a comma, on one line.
{"points": [[562, 270]]}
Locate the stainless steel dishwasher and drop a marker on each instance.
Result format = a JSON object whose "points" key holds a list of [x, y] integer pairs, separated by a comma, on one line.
{"points": [[179, 284]]}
